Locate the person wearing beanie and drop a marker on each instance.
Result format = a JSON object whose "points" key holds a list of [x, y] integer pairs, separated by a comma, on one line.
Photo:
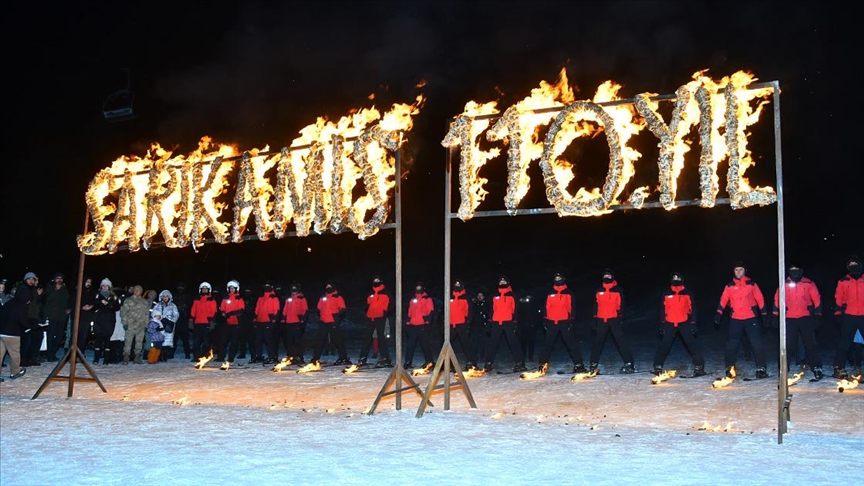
{"points": [[104, 320], [418, 326], [295, 313], [57, 308], [559, 315], [460, 317], [849, 307], [503, 322], [331, 311], [31, 333], [803, 313], [379, 308], [608, 317], [744, 297], [678, 319]]}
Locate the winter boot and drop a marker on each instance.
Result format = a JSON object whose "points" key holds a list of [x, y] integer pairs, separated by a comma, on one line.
{"points": [[138, 359], [595, 367], [817, 374], [520, 367], [488, 366], [153, 355], [408, 365], [469, 365], [125, 358], [761, 373], [628, 368], [579, 368], [384, 363], [658, 370], [730, 373], [699, 371], [361, 362], [840, 373], [343, 361], [374, 347]]}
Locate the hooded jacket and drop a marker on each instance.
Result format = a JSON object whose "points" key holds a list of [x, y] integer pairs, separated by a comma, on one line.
{"points": [[744, 297], [802, 299], [849, 296]]}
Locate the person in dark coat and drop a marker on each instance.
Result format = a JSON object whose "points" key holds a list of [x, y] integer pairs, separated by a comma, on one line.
{"points": [[107, 305]]}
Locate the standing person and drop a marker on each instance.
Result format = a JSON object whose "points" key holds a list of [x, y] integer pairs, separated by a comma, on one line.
{"points": [[803, 312], [201, 315], [231, 307], [678, 319], [294, 315], [560, 322], [155, 336], [332, 310], [479, 323], [849, 305], [12, 314], [104, 321], [170, 319], [266, 316], [503, 321], [31, 334], [244, 336], [87, 314], [608, 312], [460, 315], [745, 298], [418, 327], [379, 306], [184, 325], [135, 313], [58, 306], [529, 321]]}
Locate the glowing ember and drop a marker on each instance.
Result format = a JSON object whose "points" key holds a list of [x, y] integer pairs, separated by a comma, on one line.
{"points": [[663, 377], [795, 378], [283, 364], [707, 427], [225, 366], [726, 380], [203, 361], [351, 369], [845, 384], [584, 376], [314, 366], [533, 375], [424, 370], [474, 372]]}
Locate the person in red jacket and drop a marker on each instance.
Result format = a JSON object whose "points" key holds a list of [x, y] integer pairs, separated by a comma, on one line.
{"points": [[202, 314], [231, 308], [803, 312], [332, 310], [418, 326], [379, 307], [608, 311], [849, 305], [559, 321], [292, 326], [460, 317], [503, 321], [745, 299], [678, 319], [266, 316]]}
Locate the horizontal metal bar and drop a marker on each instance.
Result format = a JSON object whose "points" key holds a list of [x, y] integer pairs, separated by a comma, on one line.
{"points": [[614, 207]]}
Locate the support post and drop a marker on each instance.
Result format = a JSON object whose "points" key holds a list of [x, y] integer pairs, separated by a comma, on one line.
{"points": [[784, 399]]}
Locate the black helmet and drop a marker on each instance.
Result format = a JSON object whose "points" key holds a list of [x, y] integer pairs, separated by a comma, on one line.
{"points": [[675, 278]]}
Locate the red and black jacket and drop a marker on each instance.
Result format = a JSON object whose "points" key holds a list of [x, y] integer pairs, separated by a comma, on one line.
{"points": [[296, 309], [608, 301], [744, 297], [559, 304], [267, 308], [678, 305], [331, 307], [504, 306], [232, 306], [203, 310], [802, 299], [460, 308], [378, 303], [849, 296], [420, 310]]}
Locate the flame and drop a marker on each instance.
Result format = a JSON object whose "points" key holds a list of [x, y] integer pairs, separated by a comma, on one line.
{"points": [[706, 426], [533, 375], [846, 384], [203, 361], [474, 372], [664, 376], [314, 366], [284, 363], [424, 370], [584, 376], [726, 379], [225, 366], [351, 369], [795, 378]]}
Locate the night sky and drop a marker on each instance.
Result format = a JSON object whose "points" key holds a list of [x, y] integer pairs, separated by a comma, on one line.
{"points": [[254, 73]]}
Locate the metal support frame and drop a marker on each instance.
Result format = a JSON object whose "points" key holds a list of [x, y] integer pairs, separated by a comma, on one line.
{"points": [[784, 399]]}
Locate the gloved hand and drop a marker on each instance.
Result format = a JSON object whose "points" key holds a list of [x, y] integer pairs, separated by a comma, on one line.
{"points": [[272, 317], [717, 318], [160, 328]]}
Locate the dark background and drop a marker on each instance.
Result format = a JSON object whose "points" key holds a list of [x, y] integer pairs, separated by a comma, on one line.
{"points": [[254, 73]]}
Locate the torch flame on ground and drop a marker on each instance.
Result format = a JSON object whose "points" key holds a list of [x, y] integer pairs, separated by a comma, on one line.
{"points": [[282, 364], [203, 361], [533, 375], [716, 428], [351, 369], [795, 378], [313, 366], [845, 384], [226, 365], [474, 372], [663, 377], [424, 370], [584, 376], [726, 379]]}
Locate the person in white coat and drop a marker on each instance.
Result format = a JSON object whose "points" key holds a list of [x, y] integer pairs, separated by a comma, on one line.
{"points": [[170, 315]]}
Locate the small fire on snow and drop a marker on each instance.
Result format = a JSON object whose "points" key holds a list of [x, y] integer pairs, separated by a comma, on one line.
{"points": [[795, 378], [203, 361], [533, 375], [351, 369], [282, 364], [584, 376], [845, 384], [424, 370], [716, 428], [182, 401], [313, 366], [474, 372], [664, 376], [225, 366], [725, 380]]}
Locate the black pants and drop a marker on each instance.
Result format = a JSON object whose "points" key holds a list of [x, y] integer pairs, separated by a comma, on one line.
{"points": [[230, 342], [565, 330], [464, 338], [31, 339], [687, 332], [423, 334], [261, 339], [479, 338], [848, 326], [334, 332], [288, 335], [527, 339], [200, 341], [181, 334], [750, 327], [614, 326], [507, 329], [806, 327], [56, 336], [375, 326]]}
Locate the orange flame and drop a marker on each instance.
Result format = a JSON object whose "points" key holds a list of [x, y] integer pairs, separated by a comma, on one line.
{"points": [[225, 366], [474, 372], [203, 361], [846, 384], [533, 375], [314, 366], [726, 380], [424, 370], [351, 369], [284, 363], [664, 376], [584, 376], [795, 378], [707, 427]]}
